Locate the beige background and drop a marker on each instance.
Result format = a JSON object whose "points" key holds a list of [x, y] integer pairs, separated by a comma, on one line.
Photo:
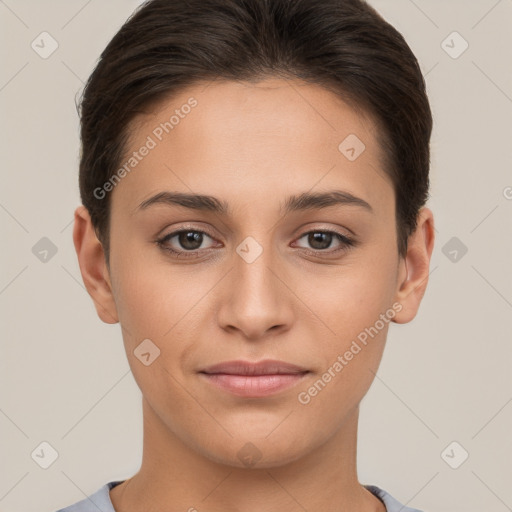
{"points": [[445, 377]]}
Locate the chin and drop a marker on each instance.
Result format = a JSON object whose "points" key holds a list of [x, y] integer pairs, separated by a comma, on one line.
{"points": [[248, 452]]}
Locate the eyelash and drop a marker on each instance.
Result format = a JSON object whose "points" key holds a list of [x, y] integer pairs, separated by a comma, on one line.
{"points": [[345, 241]]}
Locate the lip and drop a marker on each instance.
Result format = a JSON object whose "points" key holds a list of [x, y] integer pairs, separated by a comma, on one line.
{"points": [[265, 367], [254, 379]]}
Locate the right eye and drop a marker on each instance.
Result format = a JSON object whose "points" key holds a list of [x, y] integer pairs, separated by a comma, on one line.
{"points": [[184, 242]]}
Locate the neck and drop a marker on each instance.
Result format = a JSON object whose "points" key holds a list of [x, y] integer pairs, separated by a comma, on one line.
{"points": [[174, 477]]}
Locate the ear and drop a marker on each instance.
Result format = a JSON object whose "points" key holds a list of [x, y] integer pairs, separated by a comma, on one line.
{"points": [[93, 266], [414, 268]]}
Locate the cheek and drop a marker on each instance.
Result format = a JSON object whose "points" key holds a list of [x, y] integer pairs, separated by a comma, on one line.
{"points": [[352, 296], [355, 304], [139, 302], [357, 312], [145, 299], [157, 300]]}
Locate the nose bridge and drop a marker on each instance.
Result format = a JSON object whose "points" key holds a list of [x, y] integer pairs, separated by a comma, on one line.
{"points": [[254, 281], [255, 301], [252, 270]]}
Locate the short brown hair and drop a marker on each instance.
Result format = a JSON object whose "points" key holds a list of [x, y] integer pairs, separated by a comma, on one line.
{"points": [[342, 45]]}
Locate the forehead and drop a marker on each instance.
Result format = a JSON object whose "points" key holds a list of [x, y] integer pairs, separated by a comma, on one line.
{"points": [[227, 138]]}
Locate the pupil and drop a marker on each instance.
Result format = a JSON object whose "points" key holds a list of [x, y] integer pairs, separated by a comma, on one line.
{"points": [[317, 240], [190, 237]]}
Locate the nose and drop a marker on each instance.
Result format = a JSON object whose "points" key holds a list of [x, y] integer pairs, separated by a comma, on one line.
{"points": [[256, 300]]}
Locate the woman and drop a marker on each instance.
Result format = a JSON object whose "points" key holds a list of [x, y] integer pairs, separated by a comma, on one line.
{"points": [[254, 175]]}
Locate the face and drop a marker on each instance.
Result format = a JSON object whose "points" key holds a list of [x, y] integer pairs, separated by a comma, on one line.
{"points": [[291, 257]]}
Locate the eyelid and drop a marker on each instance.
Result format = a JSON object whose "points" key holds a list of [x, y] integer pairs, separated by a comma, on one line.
{"points": [[211, 235], [343, 236], [324, 226], [161, 239], [168, 231]]}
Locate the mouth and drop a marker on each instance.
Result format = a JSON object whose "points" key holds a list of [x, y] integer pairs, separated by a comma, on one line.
{"points": [[254, 380]]}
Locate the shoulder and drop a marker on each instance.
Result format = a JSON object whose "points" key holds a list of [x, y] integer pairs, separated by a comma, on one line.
{"points": [[392, 504], [99, 500]]}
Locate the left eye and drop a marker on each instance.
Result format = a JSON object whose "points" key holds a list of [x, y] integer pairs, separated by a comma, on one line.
{"points": [[321, 240]]}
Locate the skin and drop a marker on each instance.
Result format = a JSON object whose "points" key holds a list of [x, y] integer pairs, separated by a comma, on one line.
{"points": [[252, 145]]}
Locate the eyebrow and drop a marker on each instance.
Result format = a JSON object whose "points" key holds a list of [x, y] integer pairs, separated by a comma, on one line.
{"points": [[300, 202]]}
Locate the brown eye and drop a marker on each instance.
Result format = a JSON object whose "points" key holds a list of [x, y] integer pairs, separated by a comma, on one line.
{"points": [[184, 242], [190, 240], [320, 241]]}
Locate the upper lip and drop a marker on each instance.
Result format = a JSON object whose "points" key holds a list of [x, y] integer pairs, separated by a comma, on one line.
{"points": [[266, 367]]}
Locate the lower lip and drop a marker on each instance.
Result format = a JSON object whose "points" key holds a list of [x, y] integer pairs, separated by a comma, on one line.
{"points": [[254, 386]]}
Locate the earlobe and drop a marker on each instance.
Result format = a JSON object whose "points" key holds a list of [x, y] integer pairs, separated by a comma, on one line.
{"points": [[414, 269], [93, 266]]}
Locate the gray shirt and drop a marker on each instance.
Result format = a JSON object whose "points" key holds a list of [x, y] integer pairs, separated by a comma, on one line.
{"points": [[100, 501]]}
